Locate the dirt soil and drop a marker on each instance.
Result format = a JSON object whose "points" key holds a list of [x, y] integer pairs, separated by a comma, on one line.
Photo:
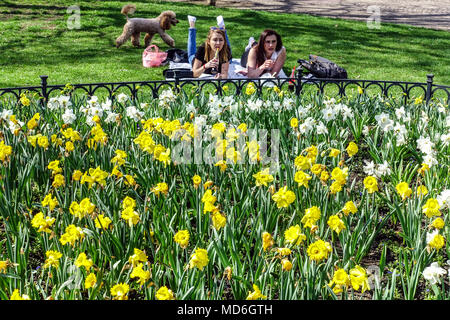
{"points": [[433, 14]]}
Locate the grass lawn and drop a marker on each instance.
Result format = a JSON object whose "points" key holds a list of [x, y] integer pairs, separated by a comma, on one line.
{"points": [[35, 40]]}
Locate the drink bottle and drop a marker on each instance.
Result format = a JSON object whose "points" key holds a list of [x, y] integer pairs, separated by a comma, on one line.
{"points": [[214, 69]]}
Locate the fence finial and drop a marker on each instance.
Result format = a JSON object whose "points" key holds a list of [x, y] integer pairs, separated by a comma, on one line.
{"points": [[298, 87], [44, 88], [176, 76], [429, 87]]}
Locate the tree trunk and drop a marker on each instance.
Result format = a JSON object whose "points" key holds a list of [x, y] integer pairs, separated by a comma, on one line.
{"points": [[212, 2]]}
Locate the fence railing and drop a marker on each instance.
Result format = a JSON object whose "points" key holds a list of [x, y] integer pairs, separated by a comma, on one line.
{"points": [[298, 84]]}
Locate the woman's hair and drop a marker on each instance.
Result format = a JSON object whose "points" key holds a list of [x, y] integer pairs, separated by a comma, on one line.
{"points": [[260, 53], [210, 52]]}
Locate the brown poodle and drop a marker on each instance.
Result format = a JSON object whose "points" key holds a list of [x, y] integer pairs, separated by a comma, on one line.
{"points": [[135, 26]]}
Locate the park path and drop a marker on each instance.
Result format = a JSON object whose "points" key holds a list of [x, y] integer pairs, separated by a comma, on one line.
{"points": [[434, 14]]}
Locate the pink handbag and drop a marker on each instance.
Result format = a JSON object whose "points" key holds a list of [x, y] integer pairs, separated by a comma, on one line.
{"points": [[153, 58]]}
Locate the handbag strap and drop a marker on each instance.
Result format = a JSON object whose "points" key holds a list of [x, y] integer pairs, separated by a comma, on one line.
{"points": [[153, 46]]}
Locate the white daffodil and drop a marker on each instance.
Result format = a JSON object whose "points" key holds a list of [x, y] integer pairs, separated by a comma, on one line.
{"points": [[425, 145], [321, 128], [445, 138], [111, 117], [382, 169], [369, 168], [134, 113], [444, 198], [64, 101], [6, 114], [430, 159], [106, 106], [400, 113], [122, 98], [302, 112], [384, 122], [69, 117], [191, 108], [53, 103], [433, 273], [93, 101], [328, 114]]}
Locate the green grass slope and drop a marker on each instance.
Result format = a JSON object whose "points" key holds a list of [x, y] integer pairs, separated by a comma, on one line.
{"points": [[35, 40]]}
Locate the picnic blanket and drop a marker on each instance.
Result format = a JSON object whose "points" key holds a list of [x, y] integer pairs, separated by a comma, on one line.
{"points": [[233, 71]]}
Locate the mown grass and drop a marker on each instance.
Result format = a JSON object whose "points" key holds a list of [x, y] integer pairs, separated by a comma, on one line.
{"points": [[35, 40]]}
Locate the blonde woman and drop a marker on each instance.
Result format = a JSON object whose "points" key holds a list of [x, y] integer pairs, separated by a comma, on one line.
{"points": [[213, 57]]}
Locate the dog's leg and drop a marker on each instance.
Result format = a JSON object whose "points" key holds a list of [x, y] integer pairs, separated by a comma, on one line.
{"points": [[121, 39], [167, 39], [148, 39], [126, 34], [135, 39]]}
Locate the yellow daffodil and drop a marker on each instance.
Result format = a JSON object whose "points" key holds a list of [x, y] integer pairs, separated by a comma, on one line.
{"points": [[138, 257], [294, 236], [283, 197], [83, 261], [302, 178], [349, 207], [318, 250], [358, 278], [90, 281], [52, 259], [311, 216], [164, 293], [256, 294], [403, 190], [352, 149], [199, 259], [263, 177], [286, 265], [370, 183], [182, 238], [431, 208], [119, 291], [267, 240], [336, 224]]}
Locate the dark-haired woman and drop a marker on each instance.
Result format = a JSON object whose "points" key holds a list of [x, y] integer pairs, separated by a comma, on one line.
{"points": [[267, 57]]}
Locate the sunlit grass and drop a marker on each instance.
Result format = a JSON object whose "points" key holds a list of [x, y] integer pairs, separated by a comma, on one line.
{"points": [[35, 40]]}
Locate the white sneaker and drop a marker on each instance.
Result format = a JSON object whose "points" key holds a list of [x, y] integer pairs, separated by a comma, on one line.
{"points": [[192, 18], [251, 40], [220, 22]]}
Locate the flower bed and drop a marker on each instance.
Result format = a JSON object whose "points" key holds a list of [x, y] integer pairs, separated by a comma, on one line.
{"points": [[208, 197]]}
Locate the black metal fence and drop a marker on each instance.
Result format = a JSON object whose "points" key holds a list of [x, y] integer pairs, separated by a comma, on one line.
{"points": [[298, 84]]}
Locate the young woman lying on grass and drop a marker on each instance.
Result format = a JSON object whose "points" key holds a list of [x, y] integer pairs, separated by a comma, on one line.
{"points": [[266, 58], [213, 57]]}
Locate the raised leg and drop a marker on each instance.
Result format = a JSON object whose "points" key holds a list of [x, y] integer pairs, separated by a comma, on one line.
{"points": [[192, 45], [167, 39]]}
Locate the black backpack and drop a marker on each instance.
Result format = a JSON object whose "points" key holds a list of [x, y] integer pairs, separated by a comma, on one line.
{"points": [[323, 68], [176, 55]]}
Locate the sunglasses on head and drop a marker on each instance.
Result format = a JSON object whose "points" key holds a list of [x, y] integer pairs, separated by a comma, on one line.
{"points": [[216, 28]]}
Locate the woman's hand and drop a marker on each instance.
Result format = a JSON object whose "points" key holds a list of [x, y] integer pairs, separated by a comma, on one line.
{"points": [[214, 63], [243, 72], [268, 64]]}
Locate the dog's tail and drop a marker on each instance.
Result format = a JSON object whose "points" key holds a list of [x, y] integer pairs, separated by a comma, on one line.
{"points": [[128, 9]]}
